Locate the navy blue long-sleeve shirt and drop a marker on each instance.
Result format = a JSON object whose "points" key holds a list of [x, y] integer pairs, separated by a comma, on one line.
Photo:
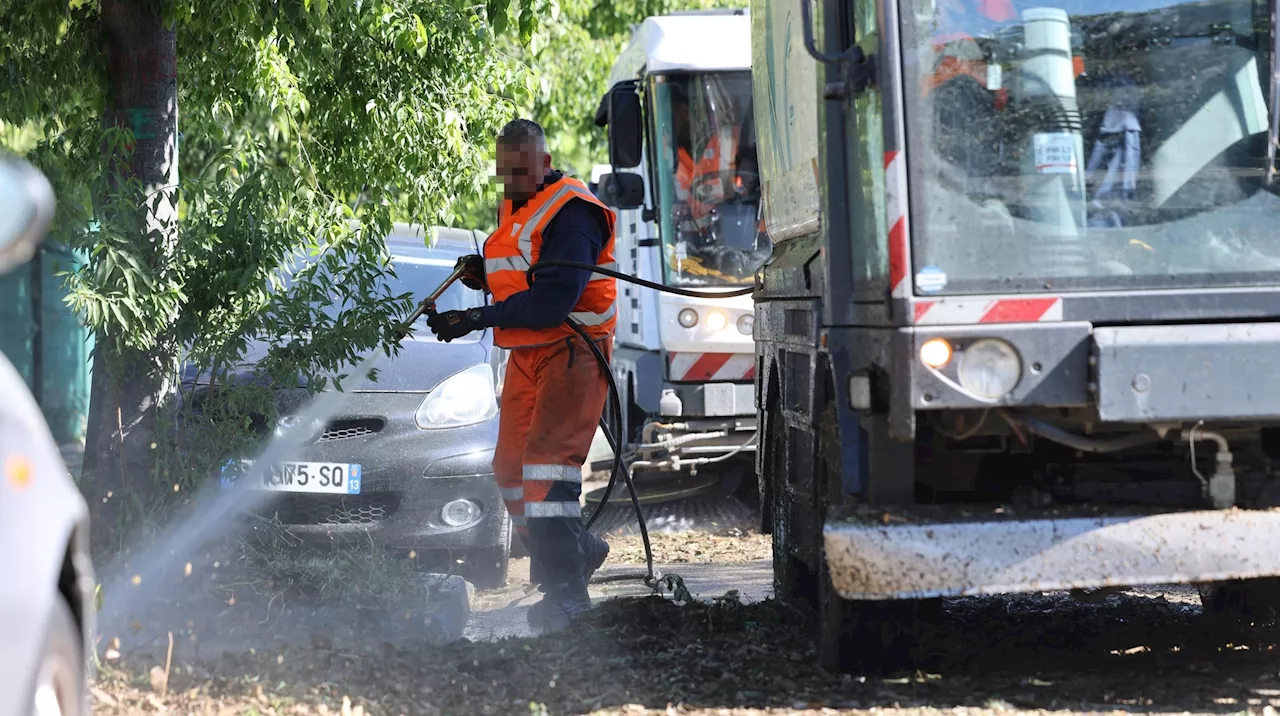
{"points": [[576, 233]]}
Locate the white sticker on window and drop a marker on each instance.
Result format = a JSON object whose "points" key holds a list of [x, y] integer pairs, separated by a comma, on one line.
{"points": [[1055, 153], [995, 77], [931, 279]]}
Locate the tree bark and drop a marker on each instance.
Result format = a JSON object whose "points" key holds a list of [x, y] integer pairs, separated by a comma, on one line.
{"points": [[130, 384]]}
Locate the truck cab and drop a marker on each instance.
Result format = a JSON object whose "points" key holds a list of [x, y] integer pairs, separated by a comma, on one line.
{"points": [[682, 174], [1017, 328]]}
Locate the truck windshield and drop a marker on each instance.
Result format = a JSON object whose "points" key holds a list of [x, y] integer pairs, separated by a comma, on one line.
{"points": [[1089, 144], [707, 178]]}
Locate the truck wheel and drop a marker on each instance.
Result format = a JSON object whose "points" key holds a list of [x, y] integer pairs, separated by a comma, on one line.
{"points": [[877, 637], [791, 578], [1248, 602], [872, 637], [880, 637], [60, 680]]}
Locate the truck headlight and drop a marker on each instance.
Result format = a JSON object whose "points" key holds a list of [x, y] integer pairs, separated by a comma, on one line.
{"points": [[464, 398], [746, 324], [716, 321], [989, 368]]}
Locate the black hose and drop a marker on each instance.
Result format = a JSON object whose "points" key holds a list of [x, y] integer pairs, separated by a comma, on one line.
{"points": [[637, 281], [615, 440], [650, 578]]}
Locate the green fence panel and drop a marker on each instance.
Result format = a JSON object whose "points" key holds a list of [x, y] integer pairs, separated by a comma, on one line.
{"points": [[65, 344]]}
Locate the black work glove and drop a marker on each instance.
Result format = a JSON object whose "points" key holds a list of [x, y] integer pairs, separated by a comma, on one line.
{"points": [[455, 324], [473, 277]]}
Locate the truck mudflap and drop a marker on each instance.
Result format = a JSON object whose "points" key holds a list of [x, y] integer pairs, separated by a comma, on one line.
{"points": [[870, 561]]}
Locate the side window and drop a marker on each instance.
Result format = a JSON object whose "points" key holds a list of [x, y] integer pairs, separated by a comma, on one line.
{"points": [[786, 113], [868, 220]]}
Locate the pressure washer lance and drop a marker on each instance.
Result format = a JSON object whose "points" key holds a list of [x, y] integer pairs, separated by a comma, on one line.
{"points": [[470, 269]]}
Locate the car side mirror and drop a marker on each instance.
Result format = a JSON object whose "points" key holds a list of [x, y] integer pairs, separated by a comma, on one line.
{"points": [[26, 211], [622, 190], [626, 127]]}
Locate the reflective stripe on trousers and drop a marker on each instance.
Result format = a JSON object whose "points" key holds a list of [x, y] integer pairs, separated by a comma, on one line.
{"points": [[552, 509]]}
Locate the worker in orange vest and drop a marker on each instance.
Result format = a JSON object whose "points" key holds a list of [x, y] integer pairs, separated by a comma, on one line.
{"points": [[554, 391], [701, 182]]}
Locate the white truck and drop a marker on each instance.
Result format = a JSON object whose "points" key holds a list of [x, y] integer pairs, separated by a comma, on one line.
{"points": [[688, 201]]}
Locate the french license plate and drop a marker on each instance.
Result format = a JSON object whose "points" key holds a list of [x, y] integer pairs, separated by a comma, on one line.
{"points": [[333, 478]]}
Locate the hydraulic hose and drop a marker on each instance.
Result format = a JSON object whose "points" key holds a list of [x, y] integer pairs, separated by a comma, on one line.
{"points": [[1085, 443], [637, 281], [650, 577], [614, 436]]}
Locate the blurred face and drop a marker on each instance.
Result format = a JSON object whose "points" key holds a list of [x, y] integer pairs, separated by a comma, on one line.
{"points": [[521, 168]]}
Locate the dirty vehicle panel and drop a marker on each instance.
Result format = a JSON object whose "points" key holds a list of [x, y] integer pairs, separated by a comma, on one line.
{"points": [[1023, 266]]}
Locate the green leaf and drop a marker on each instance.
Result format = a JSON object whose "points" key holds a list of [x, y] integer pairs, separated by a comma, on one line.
{"points": [[423, 38]]}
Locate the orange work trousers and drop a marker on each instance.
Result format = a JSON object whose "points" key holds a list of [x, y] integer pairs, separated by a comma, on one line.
{"points": [[552, 400]]}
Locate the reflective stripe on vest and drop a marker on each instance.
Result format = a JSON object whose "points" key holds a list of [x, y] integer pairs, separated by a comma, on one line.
{"points": [[518, 263], [515, 246]]}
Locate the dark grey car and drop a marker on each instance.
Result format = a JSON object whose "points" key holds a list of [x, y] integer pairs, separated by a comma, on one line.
{"points": [[408, 460]]}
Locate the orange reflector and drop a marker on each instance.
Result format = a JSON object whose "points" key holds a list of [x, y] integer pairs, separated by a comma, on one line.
{"points": [[935, 353], [17, 471]]}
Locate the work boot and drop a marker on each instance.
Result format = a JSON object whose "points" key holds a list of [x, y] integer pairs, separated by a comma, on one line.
{"points": [[594, 551], [562, 604]]}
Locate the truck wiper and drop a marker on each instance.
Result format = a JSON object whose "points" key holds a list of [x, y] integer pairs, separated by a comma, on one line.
{"points": [[1273, 131]]}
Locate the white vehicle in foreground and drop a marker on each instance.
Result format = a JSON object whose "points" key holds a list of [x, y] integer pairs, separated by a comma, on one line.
{"points": [[46, 596]]}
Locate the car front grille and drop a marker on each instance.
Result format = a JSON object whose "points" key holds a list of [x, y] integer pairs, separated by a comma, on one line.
{"points": [[336, 510], [347, 429]]}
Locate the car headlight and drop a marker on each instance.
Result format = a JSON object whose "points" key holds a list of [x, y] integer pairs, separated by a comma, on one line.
{"points": [[464, 398], [989, 368]]}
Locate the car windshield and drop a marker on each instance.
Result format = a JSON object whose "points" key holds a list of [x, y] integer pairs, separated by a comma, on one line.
{"points": [[1083, 144], [707, 178], [418, 275]]}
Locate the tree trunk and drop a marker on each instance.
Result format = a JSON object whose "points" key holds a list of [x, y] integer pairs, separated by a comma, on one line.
{"points": [[129, 384]]}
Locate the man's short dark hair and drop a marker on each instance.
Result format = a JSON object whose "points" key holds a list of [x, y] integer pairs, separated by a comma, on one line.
{"points": [[520, 132]]}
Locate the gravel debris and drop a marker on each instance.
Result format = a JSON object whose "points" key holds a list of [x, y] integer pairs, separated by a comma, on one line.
{"points": [[1135, 651], [691, 547]]}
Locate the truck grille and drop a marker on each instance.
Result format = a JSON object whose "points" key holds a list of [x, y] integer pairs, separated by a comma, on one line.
{"points": [[335, 510]]}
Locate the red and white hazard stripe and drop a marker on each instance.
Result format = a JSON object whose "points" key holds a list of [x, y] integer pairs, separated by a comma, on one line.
{"points": [[704, 367], [895, 209], [988, 310]]}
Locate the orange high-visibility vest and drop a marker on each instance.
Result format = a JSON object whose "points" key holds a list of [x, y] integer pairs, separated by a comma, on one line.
{"points": [[514, 247], [717, 158]]}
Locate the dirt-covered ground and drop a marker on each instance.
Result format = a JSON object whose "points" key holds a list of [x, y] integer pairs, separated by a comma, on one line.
{"points": [[1144, 650]]}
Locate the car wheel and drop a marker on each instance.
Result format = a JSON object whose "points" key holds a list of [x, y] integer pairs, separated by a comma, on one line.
{"points": [[60, 678], [489, 566]]}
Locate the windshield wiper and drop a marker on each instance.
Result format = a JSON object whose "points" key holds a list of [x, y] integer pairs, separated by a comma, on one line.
{"points": [[1273, 132]]}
